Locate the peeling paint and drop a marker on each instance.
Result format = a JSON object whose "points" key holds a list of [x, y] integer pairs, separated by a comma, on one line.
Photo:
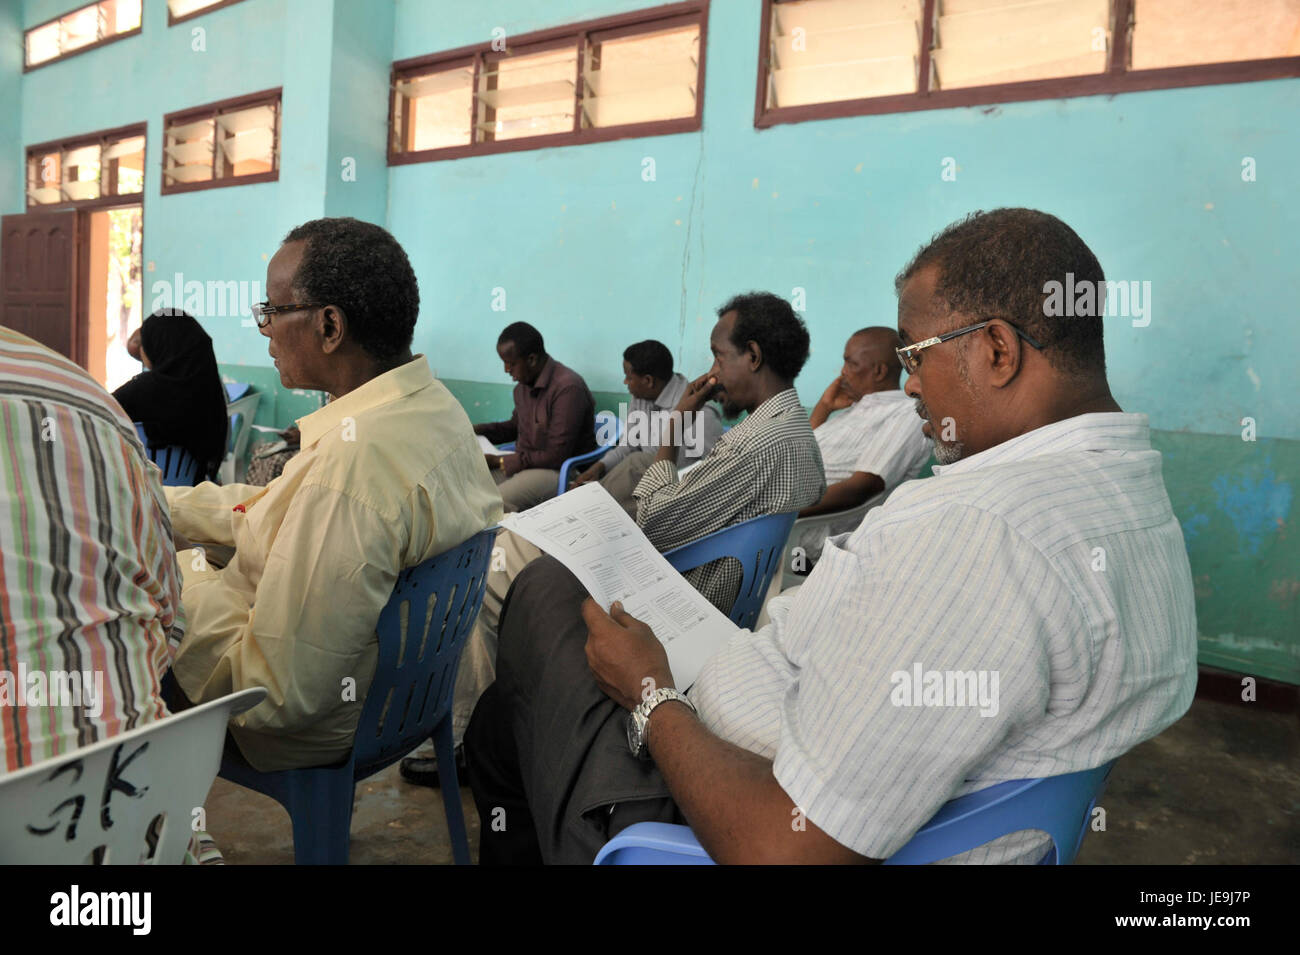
{"points": [[1255, 507]]}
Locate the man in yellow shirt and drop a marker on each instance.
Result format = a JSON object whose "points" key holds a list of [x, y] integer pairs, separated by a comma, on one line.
{"points": [[388, 476]]}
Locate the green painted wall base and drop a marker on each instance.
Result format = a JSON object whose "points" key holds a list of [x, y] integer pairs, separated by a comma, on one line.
{"points": [[1233, 498]]}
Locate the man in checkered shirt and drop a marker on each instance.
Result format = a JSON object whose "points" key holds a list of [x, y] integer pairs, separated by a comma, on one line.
{"points": [[768, 464]]}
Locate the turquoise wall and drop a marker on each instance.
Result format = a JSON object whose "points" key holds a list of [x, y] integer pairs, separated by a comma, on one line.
{"points": [[597, 256]]}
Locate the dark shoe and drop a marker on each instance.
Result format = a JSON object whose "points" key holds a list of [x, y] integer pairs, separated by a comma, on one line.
{"points": [[423, 771]]}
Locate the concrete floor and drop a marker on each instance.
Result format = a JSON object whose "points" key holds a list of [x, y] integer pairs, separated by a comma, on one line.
{"points": [[1222, 785]]}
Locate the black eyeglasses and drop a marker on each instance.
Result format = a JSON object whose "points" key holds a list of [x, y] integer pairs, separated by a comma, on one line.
{"points": [[910, 355], [263, 311]]}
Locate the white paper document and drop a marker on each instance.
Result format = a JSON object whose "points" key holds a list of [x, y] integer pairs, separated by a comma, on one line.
{"points": [[588, 532], [486, 446]]}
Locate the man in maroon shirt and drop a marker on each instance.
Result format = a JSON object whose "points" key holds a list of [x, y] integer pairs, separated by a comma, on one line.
{"points": [[554, 419]]}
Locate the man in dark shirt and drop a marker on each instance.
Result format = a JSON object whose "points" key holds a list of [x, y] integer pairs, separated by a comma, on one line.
{"points": [[554, 419]]}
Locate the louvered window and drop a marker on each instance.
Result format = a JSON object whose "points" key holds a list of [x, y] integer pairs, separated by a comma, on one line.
{"points": [[178, 10], [222, 144], [87, 26], [634, 75], [827, 58], [91, 167]]}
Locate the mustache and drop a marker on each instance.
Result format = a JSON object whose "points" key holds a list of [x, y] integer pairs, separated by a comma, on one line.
{"points": [[921, 410]]}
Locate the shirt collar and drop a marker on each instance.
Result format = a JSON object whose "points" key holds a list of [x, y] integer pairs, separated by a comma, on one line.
{"points": [[781, 403], [1103, 431], [391, 385], [544, 376], [671, 393], [889, 394]]}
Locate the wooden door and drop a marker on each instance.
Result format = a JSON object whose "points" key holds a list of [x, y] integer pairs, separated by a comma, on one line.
{"points": [[38, 280]]}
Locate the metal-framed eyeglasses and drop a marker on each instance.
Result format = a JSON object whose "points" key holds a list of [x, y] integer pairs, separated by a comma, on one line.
{"points": [[263, 311], [910, 355]]}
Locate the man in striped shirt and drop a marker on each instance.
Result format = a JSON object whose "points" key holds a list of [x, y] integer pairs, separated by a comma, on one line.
{"points": [[89, 584], [1043, 557]]}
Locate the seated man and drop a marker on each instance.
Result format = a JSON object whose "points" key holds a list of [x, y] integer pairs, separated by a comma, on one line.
{"points": [[873, 442], [767, 464], [90, 589], [388, 476], [554, 419], [990, 568], [655, 390]]}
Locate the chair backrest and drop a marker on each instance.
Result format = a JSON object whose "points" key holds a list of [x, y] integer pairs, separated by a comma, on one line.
{"points": [[809, 533], [421, 631], [1061, 806], [241, 407], [179, 467], [98, 803], [757, 544]]}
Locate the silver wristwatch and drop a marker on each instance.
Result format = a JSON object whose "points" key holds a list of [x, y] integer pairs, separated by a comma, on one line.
{"points": [[638, 721]]}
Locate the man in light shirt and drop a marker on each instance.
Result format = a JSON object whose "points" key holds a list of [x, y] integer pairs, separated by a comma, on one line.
{"points": [[866, 426], [655, 389], [388, 476], [1043, 553], [869, 436]]}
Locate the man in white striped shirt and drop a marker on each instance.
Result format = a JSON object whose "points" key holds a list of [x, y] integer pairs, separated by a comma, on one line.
{"points": [[1043, 556]]}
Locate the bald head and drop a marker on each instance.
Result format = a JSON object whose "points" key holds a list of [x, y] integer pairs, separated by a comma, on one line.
{"points": [[870, 362]]}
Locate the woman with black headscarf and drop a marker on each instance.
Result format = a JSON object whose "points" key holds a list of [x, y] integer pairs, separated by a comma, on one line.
{"points": [[179, 398]]}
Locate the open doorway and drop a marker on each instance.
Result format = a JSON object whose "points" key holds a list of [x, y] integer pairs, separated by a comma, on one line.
{"points": [[114, 238]]}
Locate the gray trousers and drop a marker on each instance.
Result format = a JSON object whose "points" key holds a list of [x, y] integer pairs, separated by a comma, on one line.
{"points": [[552, 776]]}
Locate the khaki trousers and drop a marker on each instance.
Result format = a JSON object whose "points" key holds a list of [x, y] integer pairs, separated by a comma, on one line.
{"points": [[478, 659], [525, 488]]}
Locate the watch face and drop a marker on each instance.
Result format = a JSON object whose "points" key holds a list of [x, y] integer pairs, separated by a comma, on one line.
{"points": [[633, 734]]}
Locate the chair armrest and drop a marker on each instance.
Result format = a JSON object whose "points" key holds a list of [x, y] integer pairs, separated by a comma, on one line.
{"points": [[653, 843], [576, 460]]}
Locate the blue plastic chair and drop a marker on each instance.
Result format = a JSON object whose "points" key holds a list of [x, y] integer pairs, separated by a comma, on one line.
{"points": [[409, 700], [758, 544], [590, 456], [179, 467], [1061, 806]]}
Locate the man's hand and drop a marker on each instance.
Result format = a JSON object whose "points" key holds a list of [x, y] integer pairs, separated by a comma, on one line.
{"points": [[593, 473], [697, 394], [493, 461], [836, 397], [623, 652]]}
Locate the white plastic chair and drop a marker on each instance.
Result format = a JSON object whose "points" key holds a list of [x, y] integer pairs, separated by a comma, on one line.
{"points": [[106, 796], [810, 533]]}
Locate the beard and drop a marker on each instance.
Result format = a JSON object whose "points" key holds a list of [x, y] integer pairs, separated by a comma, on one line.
{"points": [[945, 452]]}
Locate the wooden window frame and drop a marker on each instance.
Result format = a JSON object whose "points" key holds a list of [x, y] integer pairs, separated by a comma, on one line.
{"points": [[76, 142], [211, 111], [1116, 78], [172, 20], [626, 24], [82, 49]]}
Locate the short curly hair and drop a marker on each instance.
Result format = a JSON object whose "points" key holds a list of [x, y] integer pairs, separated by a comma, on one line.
{"points": [[771, 322], [996, 265], [361, 269]]}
